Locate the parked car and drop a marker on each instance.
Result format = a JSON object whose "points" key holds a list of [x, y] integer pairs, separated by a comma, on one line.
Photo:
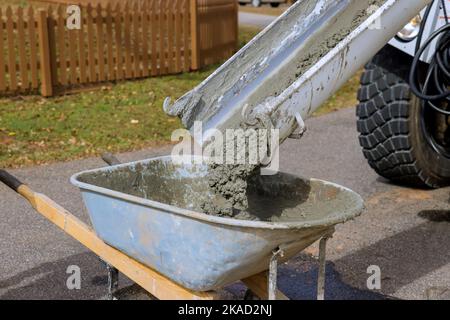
{"points": [[258, 3]]}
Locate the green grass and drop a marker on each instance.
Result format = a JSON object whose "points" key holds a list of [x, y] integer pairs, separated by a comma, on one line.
{"points": [[127, 116], [22, 3], [344, 98], [247, 33]]}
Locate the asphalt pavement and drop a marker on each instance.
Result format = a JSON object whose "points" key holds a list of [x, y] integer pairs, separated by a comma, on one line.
{"points": [[405, 232]]}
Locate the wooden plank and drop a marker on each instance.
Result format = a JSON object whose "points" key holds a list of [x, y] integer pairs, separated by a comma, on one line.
{"points": [[220, 47], [162, 38], [62, 67], [170, 36], [218, 26], [127, 43], [186, 34], [44, 53], [33, 48], [202, 31], [109, 43], [203, 34], [52, 40], [11, 50], [259, 285], [154, 35], [82, 49], [195, 36], [91, 48], [23, 65], [136, 40], [152, 281], [178, 35], [100, 44], [73, 68], [235, 15], [118, 39], [145, 39], [2, 55]]}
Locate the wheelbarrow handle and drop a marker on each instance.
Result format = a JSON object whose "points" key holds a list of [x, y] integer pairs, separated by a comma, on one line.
{"points": [[14, 183], [110, 159], [19, 187], [10, 180]]}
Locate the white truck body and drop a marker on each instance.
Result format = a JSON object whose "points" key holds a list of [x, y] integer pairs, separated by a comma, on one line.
{"points": [[435, 21]]}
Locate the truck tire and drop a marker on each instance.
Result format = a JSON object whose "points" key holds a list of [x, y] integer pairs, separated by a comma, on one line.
{"points": [[397, 134]]}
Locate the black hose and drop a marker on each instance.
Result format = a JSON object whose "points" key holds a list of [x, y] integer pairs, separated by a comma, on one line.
{"points": [[444, 7], [433, 87], [422, 26]]}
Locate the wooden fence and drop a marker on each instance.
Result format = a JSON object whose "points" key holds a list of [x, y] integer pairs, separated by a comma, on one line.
{"points": [[116, 42], [217, 30]]}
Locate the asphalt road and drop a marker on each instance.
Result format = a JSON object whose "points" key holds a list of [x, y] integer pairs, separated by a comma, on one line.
{"points": [[403, 231], [255, 20]]}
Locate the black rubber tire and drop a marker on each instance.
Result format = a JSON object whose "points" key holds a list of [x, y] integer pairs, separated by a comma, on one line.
{"points": [[274, 4], [391, 128]]}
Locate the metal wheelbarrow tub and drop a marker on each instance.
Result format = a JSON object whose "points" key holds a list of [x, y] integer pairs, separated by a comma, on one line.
{"points": [[150, 211]]}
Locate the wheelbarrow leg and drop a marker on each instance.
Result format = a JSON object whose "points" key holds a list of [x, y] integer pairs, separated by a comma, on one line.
{"points": [[113, 281], [273, 274], [113, 273], [322, 267]]}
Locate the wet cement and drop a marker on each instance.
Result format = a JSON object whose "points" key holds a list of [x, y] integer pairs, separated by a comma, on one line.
{"points": [[331, 41], [231, 181], [278, 198]]}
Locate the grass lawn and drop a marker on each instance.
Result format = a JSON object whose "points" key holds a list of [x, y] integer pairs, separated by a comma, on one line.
{"points": [[344, 98], [127, 116], [22, 3]]}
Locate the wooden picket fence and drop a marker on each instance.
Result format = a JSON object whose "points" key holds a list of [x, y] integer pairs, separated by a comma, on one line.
{"points": [[118, 41], [217, 30]]}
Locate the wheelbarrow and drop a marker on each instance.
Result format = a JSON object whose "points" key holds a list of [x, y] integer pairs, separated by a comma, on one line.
{"points": [[147, 225]]}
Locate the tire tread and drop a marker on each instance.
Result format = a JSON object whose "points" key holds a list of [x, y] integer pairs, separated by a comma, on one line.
{"points": [[383, 125]]}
